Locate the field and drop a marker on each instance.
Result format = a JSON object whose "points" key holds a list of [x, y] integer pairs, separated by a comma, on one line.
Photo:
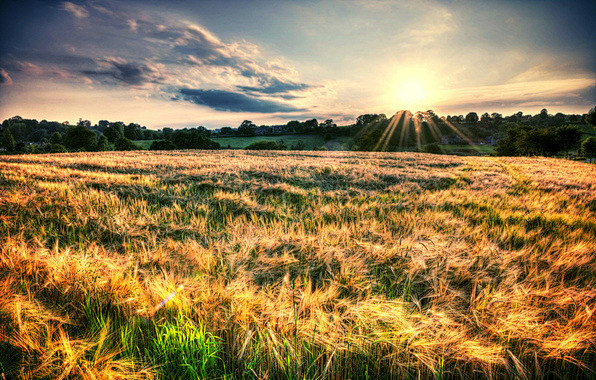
{"points": [[310, 141], [296, 265], [241, 142], [469, 149]]}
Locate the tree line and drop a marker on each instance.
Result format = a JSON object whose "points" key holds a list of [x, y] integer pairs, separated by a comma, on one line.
{"points": [[20, 135], [516, 134]]}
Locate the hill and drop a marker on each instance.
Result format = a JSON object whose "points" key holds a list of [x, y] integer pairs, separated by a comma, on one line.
{"points": [[296, 265]]}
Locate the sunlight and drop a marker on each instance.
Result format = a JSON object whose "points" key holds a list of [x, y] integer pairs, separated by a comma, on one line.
{"points": [[411, 93]]}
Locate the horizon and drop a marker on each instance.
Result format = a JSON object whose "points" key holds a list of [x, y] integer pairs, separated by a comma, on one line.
{"points": [[184, 64]]}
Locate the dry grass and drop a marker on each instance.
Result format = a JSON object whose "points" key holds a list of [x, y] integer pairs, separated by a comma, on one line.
{"points": [[296, 265]]}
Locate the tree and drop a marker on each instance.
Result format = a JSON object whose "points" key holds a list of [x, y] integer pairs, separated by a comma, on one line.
{"points": [[569, 137], [132, 131], [472, 117], [7, 140], [540, 142], [310, 125], [524, 140], [80, 137], [589, 148], [103, 144], [114, 131], [559, 118], [224, 131], [363, 120], [247, 128], [590, 117], [56, 138], [294, 126]]}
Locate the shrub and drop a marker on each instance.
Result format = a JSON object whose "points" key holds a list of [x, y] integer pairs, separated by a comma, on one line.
{"points": [[433, 148], [125, 144], [266, 145], [57, 148], [163, 145]]}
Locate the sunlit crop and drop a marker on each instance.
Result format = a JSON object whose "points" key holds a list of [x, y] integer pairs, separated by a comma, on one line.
{"points": [[296, 265]]}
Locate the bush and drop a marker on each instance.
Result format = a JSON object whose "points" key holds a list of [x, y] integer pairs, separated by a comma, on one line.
{"points": [[125, 144], [266, 145], [57, 148], [163, 145], [433, 148]]}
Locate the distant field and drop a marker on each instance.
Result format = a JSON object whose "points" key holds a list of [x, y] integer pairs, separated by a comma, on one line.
{"points": [[308, 265], [144, 143], [481, 149], [310, 141]]}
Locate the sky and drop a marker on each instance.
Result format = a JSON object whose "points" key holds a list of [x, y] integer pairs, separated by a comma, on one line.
{"points": [[184, 63]]}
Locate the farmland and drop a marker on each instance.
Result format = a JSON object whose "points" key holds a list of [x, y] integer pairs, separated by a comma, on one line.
{"points": [[296, 265]]}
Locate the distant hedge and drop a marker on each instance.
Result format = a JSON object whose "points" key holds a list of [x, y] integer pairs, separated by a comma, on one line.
{"points": [[267, 145]]}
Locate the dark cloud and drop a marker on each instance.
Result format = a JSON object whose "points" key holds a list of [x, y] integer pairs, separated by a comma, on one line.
{"points": [[233, 101], [276, 86], [130, 73]]}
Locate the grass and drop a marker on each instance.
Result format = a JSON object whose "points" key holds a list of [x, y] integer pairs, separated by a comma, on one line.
{"points": [[296, 265], [145, 144]]}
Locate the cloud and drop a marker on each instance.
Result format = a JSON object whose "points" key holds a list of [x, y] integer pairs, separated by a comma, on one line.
{"points": [[573, 91], [276, 86], [221, 100], [127, 72], [76, 10], [167, 58], [5, 79]]}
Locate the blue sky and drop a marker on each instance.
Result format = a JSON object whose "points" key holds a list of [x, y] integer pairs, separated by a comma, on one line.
{"points": [[216, 63]]}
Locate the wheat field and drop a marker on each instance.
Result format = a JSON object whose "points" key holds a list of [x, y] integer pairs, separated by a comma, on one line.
{"points": [[296, 265]]}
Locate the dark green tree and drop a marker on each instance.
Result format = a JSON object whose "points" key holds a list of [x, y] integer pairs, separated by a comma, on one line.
{"points": [[525, 140], [7, 140], [132, 131], [103, 144], [569, 137], [80, 137], [56, 138], [472, 117], [114, 131], [247, 128], [590, 117], [588, 148]]}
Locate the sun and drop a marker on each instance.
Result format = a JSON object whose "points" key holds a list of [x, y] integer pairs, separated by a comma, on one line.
{"points": [[411, 94]]}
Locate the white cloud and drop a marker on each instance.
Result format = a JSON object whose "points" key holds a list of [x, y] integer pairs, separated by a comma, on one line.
{"points": [[5, 79], [76, 10]]}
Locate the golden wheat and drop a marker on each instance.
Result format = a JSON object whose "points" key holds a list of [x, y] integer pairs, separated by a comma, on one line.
{"points": [[298, 264]]}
